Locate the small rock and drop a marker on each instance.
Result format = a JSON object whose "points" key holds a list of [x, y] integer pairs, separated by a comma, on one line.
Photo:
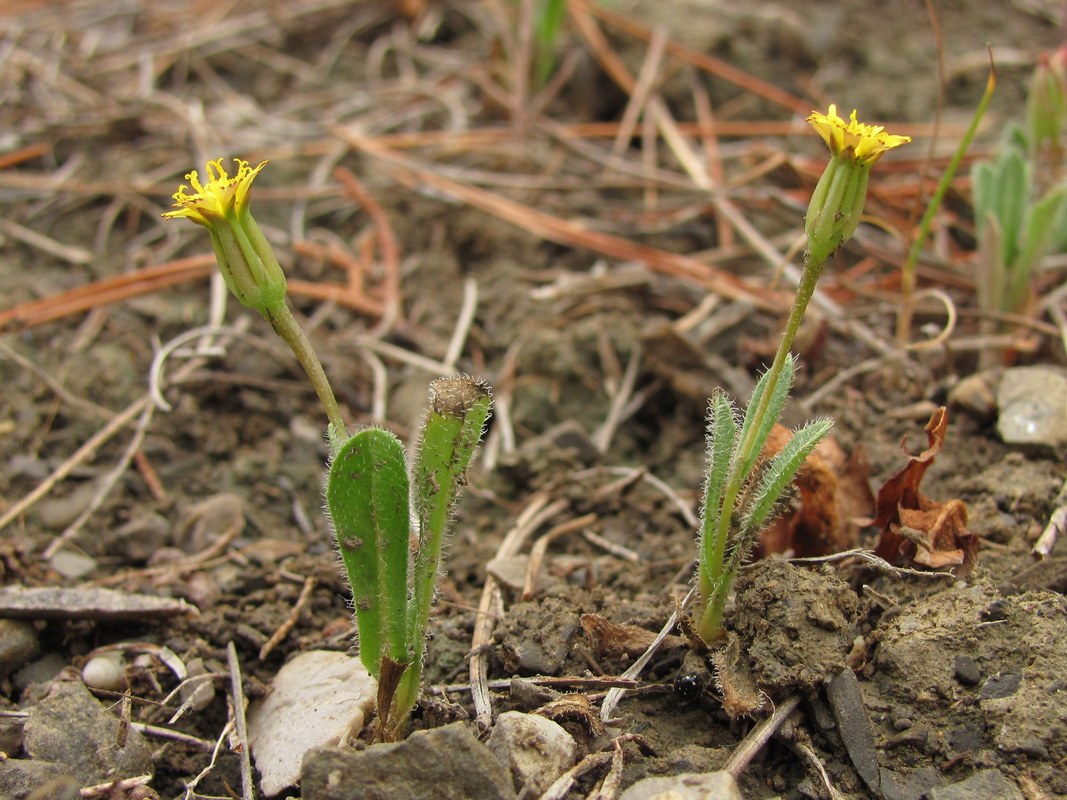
{"points": [[222, 515], [69, 727], [687, 786], [510, 571], [439, 764], [42, 670], [319, 698], [1003, 684], [106, 671], [535, 749], [537, 637], [1033, 408], [19, 777], [846, 700], [198, 691], [18, 644], [976, 396], [72, 565], [987, 784], [57, 513], [967, 671], [140, 538]]}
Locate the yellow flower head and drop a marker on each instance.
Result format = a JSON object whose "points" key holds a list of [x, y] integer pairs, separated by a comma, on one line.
{"points": [[245, 257], [220, 197], [864, 143]]}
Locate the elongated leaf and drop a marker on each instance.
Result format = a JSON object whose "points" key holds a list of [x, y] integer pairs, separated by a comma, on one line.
{"points": [[722, 441], [367, 497], [983, 182], [778, 475], [1013, 187], [1040, 233], [779, 395], [453, 428]]}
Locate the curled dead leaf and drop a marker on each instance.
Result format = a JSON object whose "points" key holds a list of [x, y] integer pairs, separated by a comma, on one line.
{"points": [[913, 529]]}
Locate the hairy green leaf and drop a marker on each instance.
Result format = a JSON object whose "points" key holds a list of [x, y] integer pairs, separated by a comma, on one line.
{"points": [[367, 497]]}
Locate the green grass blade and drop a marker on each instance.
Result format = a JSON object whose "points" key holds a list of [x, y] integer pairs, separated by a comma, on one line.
{"points": [[367, 497], [547, 23]]}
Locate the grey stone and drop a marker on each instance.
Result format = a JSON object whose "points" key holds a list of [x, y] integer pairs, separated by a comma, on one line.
{"points": [[19, 777], [967, 671], [1033, 408], [688, 786], [70, 727], [535, 749], [57, 513], [987, 784], [72, 565], [446, 763], [846, 700], [140, 538], [976, 395], [42, 670], [1003, 684], [18, 644]]}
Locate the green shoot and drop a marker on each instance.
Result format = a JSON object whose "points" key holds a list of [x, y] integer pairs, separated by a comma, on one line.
{"points": [[1020, 198], [728, 532], [368, 494], [547, 22]]}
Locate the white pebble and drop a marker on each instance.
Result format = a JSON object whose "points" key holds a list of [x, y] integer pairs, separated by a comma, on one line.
{"points": [[106, 672]]}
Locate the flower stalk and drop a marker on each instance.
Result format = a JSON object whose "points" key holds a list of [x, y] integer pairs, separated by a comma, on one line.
{"points": [[248, 264]]}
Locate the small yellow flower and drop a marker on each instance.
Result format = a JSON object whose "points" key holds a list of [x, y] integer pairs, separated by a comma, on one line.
{"points": [[837, 202], [865, 144], [245, 257], [221, 196]]}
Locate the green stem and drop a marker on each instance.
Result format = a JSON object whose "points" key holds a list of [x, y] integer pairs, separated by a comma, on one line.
{"points": [[711, 620], [286, 326]]}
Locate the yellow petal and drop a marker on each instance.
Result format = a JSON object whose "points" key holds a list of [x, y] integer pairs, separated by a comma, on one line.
{"points": [[864, 143], [219, 196]]}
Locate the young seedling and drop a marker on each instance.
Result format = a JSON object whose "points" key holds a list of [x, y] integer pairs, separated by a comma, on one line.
{"points": [[391, 556], [1020, 198], [742, 490], [392, 573]]}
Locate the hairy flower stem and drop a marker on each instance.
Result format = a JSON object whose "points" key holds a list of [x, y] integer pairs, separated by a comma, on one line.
{"points": [[286, 326], [715, 586]]}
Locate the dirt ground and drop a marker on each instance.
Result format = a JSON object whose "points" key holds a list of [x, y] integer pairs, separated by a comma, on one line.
{"points": [[437, 209]]}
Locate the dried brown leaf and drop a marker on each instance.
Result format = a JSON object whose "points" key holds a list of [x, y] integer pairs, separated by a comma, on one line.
{"points": [[913, 529], [833, 492]]}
